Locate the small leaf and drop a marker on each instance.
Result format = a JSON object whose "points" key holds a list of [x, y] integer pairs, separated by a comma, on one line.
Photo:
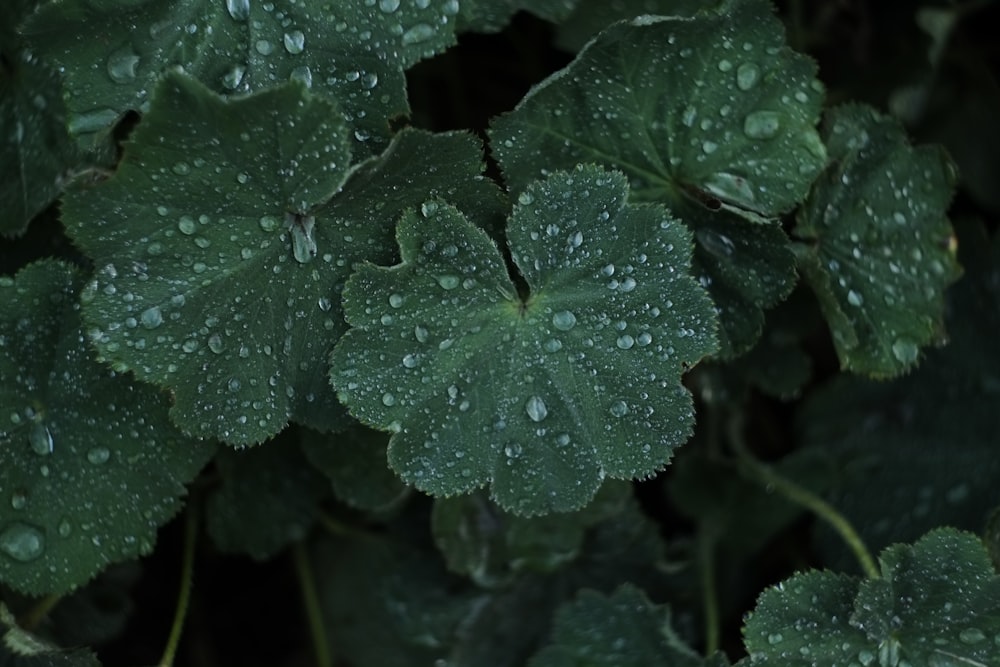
{"points": [[350, 50], [219, 276], [268, 498], [623, 629], [713, 116], [590, 17], [355, 462], [90, 466], [494, 15], [23, 649], [881, 250], [577, 381], [937, 603]]}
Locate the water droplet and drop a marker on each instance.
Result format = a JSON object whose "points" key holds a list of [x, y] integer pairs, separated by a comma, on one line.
{"points": [[396, 300], [151, 317], [64, 528], [388, 6], [729, 187], [563, 320], [190, 345], [775, 638], [552, 345], [187, 225], [99, 455], [421, 334], [709, 147], [263, 47], [855, 298], [302, 74], [719, 245], [525, 198], [92, 121], [905, 350], [625, 342], [303, 244], [40, 439], [762, 124], [22, 541], [971, 636], [295, 42], [618, 409], [181, 168], [215, 343], [388, 400], [410, 361], [448, 282], [238, 9], [121, 65], [420, 32], [747, 76], [19, 499], [268, 223], [536, 409]]}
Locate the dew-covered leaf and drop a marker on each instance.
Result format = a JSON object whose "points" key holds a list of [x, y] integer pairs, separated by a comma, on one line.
{"points": [[490, 546], [353, 50], [494, 15], [623, 629], [35, 149], [920, 451], [713, 116], [355, 462], [19, 648], [542, 396], [218, 272], [880, 250], [937, 603], [267, 498], [90, 465]]}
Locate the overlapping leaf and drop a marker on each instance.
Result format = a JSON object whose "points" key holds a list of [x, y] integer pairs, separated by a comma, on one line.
{"points": [[90, 465], [712, 115], [354, 50], [218, 271], [19, 648], [589, 17], [542, 396], [937, 603], [623, 629], [881, 249], [35, 149], [493, 15]]}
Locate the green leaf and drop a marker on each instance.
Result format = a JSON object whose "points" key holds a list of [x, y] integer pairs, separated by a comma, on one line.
{"points": [[937, 603], [575, 382], [268, 498], [623, 629], [219, 276], [881, 251], [90, 465], [23, 649], [490, 546], [355, 462], [350, 50], [36, 151], [919, 452], [713, 116], [494, 15]]}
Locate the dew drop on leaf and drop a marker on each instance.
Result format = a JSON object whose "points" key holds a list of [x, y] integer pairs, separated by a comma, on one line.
{"points": [[295, 42], [762, 124], [536, 409], [40, 439], [563, 320], [618, 409], [22, 541], [420, 32], [98, 455], [122, 64], [388, 6], [151, 317], [905, 350], [747, 76], [238, 9]]}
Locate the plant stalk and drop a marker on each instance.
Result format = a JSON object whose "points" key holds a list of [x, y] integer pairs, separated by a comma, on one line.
{"points": [[187, 576], [314, 613]]}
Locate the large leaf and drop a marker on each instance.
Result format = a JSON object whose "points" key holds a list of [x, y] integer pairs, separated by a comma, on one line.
{"points": [[352, 50], [35, 149], [712, 115], [218, 272], [881, 250], [90, 465], [543, 396], [623, 629], [937, 603]]}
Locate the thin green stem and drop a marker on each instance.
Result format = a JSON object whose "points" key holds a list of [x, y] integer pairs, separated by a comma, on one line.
{"points": [[771, 478], [187, 576], [36, 614], [314, 613], [709, 592]]}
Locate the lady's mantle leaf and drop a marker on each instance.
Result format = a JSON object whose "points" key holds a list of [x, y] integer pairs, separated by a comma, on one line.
{"points": [[493, 15], [937, 603], [90, 465], [20, 648], [623, 629], [712, 115], [350, 49], [541, 396], [218, 271], [883, 250]]}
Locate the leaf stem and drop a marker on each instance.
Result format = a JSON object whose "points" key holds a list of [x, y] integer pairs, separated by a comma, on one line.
{"points": [[36, 614], [771, 478], [187, 576], [314, 612], [709, 592]]}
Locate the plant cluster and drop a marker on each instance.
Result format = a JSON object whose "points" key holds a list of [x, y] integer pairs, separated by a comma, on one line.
{"points": [[450, 380]]}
